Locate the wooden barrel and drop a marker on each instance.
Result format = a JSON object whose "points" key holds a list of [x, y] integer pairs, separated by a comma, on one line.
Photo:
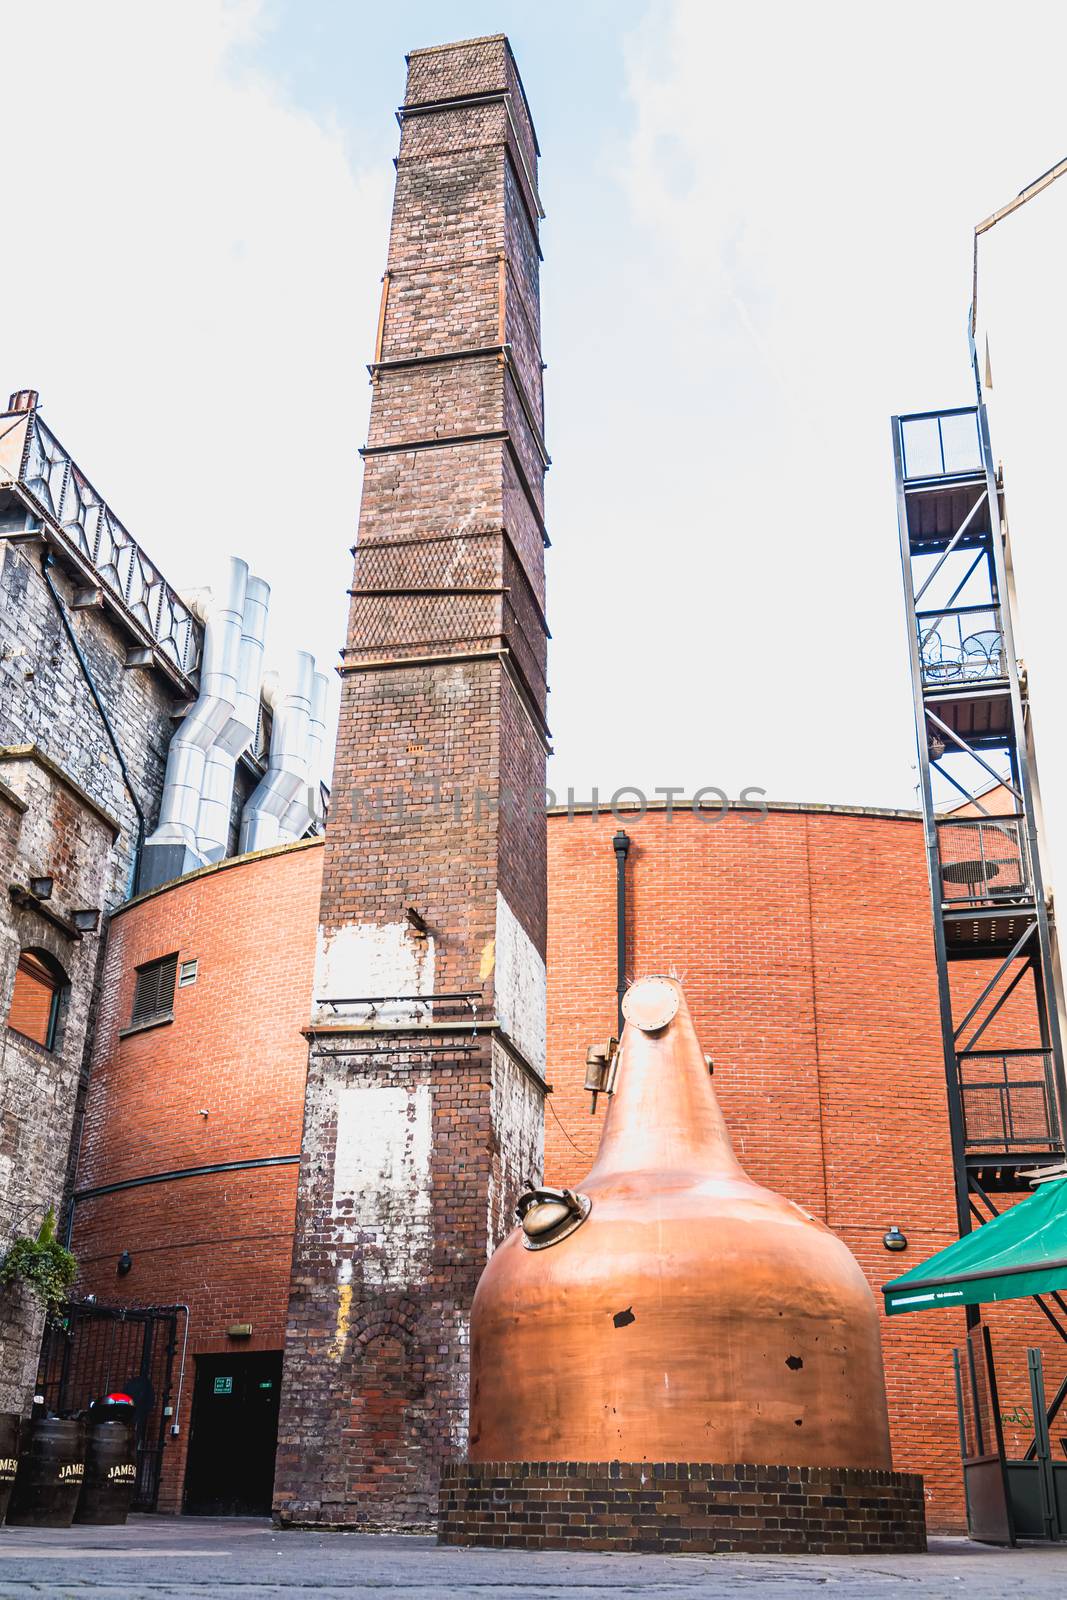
{"points": [[50, 1473], [10, 1428], [110, 1474]]}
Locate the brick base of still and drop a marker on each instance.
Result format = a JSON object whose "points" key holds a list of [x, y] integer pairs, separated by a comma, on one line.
{"points": [[681, 1507]]}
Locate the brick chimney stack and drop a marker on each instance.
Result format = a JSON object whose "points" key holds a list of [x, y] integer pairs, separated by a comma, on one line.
{"points": [[424, 1103]]}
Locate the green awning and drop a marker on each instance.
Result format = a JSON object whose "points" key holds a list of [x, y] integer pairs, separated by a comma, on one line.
{"points": [[1020, 1253]]}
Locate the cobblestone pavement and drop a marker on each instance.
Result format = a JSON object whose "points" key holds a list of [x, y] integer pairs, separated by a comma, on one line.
{"points": [[164, 1556]]}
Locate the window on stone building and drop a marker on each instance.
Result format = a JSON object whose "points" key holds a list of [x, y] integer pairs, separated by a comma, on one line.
{"points": [[36, 997], [153, 994]]}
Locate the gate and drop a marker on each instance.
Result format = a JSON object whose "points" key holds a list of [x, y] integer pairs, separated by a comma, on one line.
{"points": [[91, 1350], [985, 1481], [1023, 1497]]}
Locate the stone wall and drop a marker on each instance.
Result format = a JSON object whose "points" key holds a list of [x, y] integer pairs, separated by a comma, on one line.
{"points": [[48, 827], [45, 702]]}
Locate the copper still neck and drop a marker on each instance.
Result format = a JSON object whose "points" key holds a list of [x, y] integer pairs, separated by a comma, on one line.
{"points": [[664, 1116]]}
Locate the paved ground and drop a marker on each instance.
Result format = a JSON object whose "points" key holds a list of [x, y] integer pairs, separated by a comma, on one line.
{"points": [[160, 1557]]}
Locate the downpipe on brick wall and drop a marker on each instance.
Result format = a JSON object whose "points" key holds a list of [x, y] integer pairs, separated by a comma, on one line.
{"points": [[48, 561]]}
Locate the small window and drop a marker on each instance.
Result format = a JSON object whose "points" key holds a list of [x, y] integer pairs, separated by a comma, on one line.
{"points": [[187, 974], [34, 1010], [153, 995]]}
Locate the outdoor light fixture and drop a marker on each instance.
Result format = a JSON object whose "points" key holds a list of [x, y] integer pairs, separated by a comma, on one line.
{"points": [[894, 1239], [601, 1064], [86, 920], [125, 1263], [41, 888]]}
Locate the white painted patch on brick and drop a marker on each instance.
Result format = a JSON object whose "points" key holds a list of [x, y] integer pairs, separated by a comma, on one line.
{"points": [[518, 1122], [458, 1422], [381, 1181], [368, 959], [520, 986]]}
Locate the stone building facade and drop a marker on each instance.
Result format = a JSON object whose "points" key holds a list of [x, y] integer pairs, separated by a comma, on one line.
{"points": [[66, 810], [99, 661], [423, 1112]]}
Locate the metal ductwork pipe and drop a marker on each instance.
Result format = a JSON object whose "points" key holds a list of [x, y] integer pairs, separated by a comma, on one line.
{"points": [[216, 802], [172, 849], [263, 822], [308, 808]]}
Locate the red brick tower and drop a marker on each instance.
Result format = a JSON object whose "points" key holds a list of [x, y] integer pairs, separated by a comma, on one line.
{"points": [[423, 1113]]}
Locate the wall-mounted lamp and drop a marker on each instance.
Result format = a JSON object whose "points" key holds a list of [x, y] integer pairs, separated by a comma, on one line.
{"points": [[41, 888], [86, 920], [125, 1263], [894, 1239]]}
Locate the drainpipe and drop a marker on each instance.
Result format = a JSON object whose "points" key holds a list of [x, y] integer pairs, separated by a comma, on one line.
{"points": [[48, 561], [172, 849], [621, 843], [264, 820], [216, 801]]}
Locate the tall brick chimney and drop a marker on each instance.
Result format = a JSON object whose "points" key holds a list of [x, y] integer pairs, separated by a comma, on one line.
{"points": [[423, 1114]]}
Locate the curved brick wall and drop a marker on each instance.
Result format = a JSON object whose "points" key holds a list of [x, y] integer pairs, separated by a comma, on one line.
{"points": [[222, 1242], [805, 946]]}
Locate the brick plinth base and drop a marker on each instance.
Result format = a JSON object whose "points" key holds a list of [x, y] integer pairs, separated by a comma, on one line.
{"points": [[678, 1506]]}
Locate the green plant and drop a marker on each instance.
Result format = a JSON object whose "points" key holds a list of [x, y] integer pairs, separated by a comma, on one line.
{"points": [[45, 1266]]}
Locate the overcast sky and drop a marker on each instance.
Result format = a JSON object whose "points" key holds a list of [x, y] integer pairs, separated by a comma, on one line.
{"points": [[757, 248]]}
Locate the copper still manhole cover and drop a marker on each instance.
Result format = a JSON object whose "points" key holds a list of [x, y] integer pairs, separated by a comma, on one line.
{"points": [[650, 1004]]}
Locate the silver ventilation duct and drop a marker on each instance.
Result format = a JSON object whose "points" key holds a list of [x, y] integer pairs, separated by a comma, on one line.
{"points": [[307, 807], [213, 826], [264, 822], [172, 849]]}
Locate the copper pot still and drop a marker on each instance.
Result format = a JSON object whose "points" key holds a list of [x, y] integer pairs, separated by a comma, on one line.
{"points": [[670, 1309]]}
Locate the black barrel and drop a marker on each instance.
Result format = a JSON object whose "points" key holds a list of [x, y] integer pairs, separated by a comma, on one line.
{"points": [[49, 1478], [110, 1474], [10, 1427]]}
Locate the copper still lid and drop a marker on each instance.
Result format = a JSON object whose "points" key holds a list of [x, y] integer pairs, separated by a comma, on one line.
{"points": [[668, 1308]]}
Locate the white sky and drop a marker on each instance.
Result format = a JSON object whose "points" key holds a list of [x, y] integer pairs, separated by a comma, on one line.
{"points": [[758, 247]]}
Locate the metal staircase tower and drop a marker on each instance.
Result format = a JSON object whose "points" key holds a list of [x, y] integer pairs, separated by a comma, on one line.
{"points": [[999, 1023]]}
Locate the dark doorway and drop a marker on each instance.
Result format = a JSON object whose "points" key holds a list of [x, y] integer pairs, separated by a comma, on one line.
{"points": [[233, 1436]]}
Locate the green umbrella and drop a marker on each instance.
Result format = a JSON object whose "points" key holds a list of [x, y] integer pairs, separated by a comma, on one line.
{"points": [[1021, 1252]]}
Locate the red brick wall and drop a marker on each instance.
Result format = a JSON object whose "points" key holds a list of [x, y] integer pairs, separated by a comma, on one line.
{"points": [[804, 942], [222, 1243]]}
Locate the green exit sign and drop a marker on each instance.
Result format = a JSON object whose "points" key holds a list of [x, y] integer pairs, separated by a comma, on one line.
{"points": [[223, 1385]]}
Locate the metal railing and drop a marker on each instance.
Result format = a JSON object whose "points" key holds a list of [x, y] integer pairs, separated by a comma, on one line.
{"points": [[983, 859], [965, 645], [941, 444], [1009, 1101], [59, 492]]}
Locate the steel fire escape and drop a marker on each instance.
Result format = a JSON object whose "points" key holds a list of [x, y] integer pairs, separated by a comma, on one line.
{"points": [[999, 1024]]}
